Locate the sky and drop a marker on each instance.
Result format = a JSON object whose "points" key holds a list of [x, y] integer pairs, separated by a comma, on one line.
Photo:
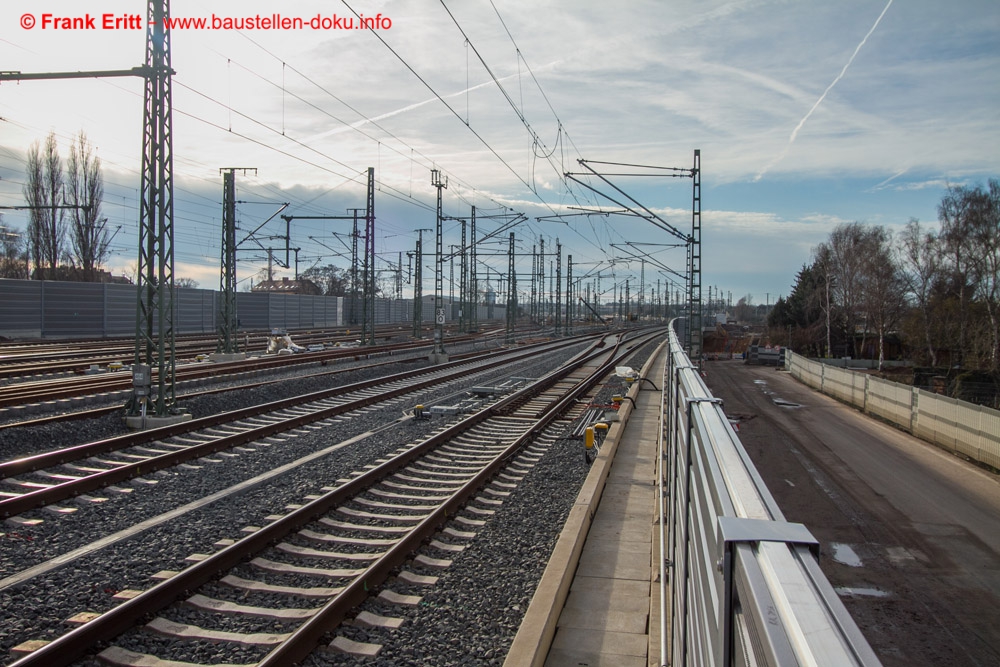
{"points": [[806, 115]]}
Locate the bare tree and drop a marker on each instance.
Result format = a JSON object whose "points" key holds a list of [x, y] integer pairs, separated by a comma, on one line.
{"points": [[44, 192], [744, 310], [13, 253], [131, 271], [984, 231], [85, 190], [846, 268], [955, 215], [823, 263], [883, 285], [920, 253], [185, 283]]}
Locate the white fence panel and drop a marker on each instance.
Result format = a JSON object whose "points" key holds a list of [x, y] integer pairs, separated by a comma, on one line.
{"points": [[890, 400], [844, 385], [809, 372], [965, 428], [935, 419], [970, 430], [989, 436]]}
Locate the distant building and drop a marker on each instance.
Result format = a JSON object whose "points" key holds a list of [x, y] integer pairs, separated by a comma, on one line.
{"points": [[286, 286], [75, 274]]}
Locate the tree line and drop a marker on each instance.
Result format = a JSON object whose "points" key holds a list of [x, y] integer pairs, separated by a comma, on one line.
{"points": [[66, 236], [933, 294]]}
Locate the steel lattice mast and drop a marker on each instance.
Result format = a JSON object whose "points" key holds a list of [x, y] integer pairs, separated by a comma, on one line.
{"points": [[511, 293], [418, 285], [694, 264], [473, 281], [569, 294], [228, 320], [438, 182], [558, 296], [463, 282], [368, 325], [154, 329]]}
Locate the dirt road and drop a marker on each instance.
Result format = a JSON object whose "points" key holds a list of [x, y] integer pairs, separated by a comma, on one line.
{"points": [[910, 534]]}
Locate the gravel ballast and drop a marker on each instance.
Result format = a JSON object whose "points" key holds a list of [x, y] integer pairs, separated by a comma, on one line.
{"points": [[465, 619]]}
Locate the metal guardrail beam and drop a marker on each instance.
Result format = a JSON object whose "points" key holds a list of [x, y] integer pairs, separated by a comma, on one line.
{"points": [[745, 587]]}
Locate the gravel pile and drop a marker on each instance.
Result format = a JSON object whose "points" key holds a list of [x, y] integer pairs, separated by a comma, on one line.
{"points": [[465, 619]]}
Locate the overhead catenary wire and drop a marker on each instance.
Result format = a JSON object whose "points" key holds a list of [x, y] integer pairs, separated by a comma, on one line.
{"points": [[541, 148]]}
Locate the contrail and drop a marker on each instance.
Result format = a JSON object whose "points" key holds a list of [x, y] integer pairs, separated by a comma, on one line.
{"points": [[822, 97], [365, 121]]}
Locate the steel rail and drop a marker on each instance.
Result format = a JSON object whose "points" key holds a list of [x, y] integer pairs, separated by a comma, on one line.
{"points": [[16, 505], [305, 639], [72, 646], [38, 390], [18, 360], [15, 394], [92, 413]]}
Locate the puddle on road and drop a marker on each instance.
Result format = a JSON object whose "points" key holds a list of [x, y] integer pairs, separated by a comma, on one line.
{"points": [[843, 553], [870, 592]]}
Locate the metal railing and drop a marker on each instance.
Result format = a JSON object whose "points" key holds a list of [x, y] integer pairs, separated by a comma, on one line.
{"points": [[742, 586]]}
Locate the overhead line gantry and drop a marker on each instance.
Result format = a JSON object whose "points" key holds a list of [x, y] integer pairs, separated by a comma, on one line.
{"points": [[692, 241]]}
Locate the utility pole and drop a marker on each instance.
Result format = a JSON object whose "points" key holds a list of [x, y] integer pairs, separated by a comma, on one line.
{"points": [[511, 294], [533, 305], [355, 306], [558, 297], [628, 303], [642, 286], [541, 280], [368, 307], [659, 301], [399, 277], [597, 296], [463, 286], [228, 343], [473, 280], [451, 275], [418, 285], [438, 355], [569, 293]]}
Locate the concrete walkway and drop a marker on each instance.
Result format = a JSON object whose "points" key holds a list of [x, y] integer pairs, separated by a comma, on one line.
{"points": [[611, 617]]}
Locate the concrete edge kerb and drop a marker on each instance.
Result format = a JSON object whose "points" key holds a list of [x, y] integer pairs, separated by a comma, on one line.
{"points": [[538, 627]]}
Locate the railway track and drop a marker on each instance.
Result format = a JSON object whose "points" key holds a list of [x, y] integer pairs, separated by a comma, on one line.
{"points": [[182, 395], [56, 388], [51, 477], [20, 361], [308, 570]]}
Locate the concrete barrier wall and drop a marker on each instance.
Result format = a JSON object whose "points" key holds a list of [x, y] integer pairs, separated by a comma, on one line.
{"points": [[962, 427]]}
